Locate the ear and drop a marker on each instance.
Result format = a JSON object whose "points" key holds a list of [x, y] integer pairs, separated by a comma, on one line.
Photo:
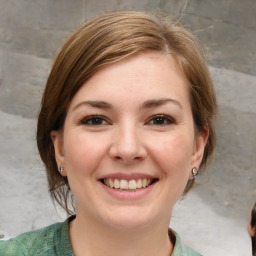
{"points": [[198, 150], [251, 231], [57, 140]]}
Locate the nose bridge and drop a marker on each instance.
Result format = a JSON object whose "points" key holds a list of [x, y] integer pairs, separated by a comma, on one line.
{"points": [[127, 142]]}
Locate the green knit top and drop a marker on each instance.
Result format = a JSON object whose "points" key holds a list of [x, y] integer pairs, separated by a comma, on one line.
{"points": [[54, 241]]}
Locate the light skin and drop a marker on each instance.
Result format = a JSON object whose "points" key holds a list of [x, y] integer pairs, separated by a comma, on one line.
{"points": [[132, 120], [251, 231]]}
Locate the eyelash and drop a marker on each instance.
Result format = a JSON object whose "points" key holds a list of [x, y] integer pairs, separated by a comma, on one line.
{"points": [[90, 119], [97, 120], [166, 119]]}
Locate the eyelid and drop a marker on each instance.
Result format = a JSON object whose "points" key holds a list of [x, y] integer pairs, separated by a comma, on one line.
{"points": [[88, 118], [163, 116]]}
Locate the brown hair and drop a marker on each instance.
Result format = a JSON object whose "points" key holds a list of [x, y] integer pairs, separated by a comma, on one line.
{"points": [[107, 39], [253, 227]]}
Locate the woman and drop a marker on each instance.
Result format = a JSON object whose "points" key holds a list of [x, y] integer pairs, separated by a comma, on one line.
{"points": [[252, 229], [126, 123]]}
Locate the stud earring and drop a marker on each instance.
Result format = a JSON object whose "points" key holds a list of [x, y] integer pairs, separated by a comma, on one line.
{"points": [[61, 169], [194, 172]]}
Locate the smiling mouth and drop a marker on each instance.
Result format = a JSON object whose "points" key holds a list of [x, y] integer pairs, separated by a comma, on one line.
{"points": [[128, 185]]}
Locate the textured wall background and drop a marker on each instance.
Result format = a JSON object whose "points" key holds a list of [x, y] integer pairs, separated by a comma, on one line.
{"points": [[31, 33]]}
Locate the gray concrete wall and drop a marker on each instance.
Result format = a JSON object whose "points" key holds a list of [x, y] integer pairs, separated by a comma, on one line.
{"points": [[31, 33]]}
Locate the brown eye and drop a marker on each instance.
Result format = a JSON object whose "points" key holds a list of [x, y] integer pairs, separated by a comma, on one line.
{"points": [[94, 120], [161, 120]]}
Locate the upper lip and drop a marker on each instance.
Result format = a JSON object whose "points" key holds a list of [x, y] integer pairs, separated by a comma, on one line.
{"points": [[127, 176]]}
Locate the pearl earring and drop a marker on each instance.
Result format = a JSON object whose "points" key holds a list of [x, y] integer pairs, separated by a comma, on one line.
{"points": [[194, 172]]}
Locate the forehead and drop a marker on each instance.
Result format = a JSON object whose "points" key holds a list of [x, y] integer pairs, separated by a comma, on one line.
{"points": [[148, 74]]}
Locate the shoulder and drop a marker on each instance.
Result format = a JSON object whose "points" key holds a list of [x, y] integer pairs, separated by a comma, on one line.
{"points": [[181, 250], [38, 242]]}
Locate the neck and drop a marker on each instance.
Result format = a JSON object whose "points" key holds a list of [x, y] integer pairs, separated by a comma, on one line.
{"points": [[97, 239]]}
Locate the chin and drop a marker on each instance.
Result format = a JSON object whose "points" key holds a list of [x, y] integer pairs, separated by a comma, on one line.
{"points": [[130, 219]]}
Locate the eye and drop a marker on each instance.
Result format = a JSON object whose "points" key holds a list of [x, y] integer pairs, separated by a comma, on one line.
{"points": [[94, 120], [160, 120]]}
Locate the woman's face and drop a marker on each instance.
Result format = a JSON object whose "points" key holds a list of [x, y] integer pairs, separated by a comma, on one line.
{"points": [[128, 143]]}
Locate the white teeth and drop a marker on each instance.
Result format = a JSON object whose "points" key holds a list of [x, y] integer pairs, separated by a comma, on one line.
{"points": [[144, 183], [139, 183], [124, 184], [111, 183], [116, 183], [127, 185], [132, 184]]}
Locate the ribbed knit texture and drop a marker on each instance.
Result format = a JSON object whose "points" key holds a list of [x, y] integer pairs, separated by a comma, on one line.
{"points": [[54, 241]]}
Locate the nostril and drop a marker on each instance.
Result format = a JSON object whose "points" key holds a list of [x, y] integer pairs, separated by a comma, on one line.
{"points": [[126, 158]]}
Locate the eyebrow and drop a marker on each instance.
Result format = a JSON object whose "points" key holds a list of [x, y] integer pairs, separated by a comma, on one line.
{"points": [[160, 102], [147, 104], [95, 104]]}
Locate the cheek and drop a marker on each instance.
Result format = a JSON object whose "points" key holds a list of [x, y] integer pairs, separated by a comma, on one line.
{"points": [[174, 154], [82, 153]]}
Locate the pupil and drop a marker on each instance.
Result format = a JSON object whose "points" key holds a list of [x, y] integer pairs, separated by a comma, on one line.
{"points": [[96, 121], [159, 120]]}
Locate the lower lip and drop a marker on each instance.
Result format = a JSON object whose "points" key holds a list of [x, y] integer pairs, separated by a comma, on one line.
{"points": [[119, 194]]}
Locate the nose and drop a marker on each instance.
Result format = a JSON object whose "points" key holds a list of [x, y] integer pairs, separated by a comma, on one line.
{"points": [[127, 145]]}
